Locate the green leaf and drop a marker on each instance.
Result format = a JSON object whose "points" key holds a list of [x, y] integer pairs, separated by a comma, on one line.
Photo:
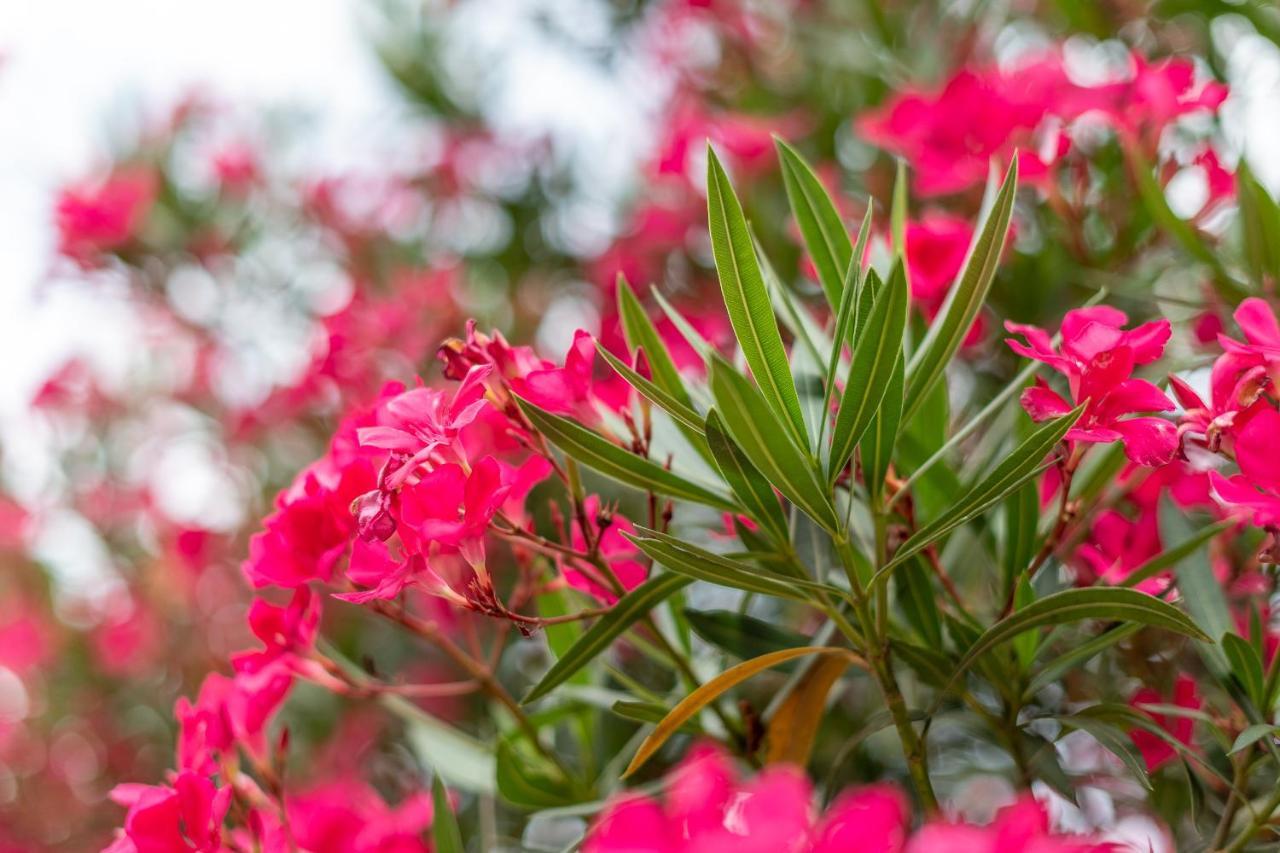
{"points": [[650, 712], [917, 600], [1076, 656], [741, 635], [1246, 666], [898, 213], [641, 334], [445, 834], [882, 436], [1072, 605], [708, 692], [1171, 557], [748, 484], [767, 444], [871, 372], [823, 231], [747, 300], [1252, 735], [561, 637], [1025, 644], [630, 608], [1021, 515], [1260, 222], [597, 452], [691, 335], [529, 781], [1115, 740], [704, 565], [965, 300], [846, 317], [1026, 460], [683, 414], [1201, 593]]}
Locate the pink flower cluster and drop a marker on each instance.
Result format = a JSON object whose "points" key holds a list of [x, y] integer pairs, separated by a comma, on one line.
{"points": [[951, 135], [706, 806]]}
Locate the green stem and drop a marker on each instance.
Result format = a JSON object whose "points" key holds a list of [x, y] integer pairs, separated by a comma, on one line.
{"points": [[1261, 819], [876, 647]]}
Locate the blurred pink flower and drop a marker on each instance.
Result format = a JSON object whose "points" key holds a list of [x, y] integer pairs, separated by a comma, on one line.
{"points": [[162, 819], [98, 216], [1156, 751]]}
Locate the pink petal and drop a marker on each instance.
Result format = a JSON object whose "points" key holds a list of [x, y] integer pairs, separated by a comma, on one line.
{"points": [[1041, 402], [1258, 323], [1257, 446], [1149, 441]]}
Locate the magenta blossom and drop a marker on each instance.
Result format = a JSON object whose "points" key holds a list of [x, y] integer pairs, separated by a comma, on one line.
{"points": [[1156, 751], [1098, 357], [163, 819], [707, 807], [97, 217]]}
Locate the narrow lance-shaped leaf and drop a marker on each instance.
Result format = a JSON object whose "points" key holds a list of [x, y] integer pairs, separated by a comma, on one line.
{"points": [[768, 446], [965, 300], [870, 375], [1201, 592], [898, 216], [628, 609], [701, 564], [1112, 603], [747, 299], [641, 334], [699, 699], [823, 231], [741, 635], [683, 414], [846, 317], [877, 444], [445, 834], [1260, 223], [791, 731], [748, 484], [602, 455], [1018, 467], [1170, 557]]}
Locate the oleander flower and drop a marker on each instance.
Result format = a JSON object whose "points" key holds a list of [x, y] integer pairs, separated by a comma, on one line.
{"points": [[1098, 357]]}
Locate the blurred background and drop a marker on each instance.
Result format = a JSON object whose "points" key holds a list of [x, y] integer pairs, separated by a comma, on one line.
{"points": [[224, 225]]}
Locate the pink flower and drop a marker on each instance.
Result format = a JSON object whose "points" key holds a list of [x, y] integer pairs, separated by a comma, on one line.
{"points": [[99, 216], [707, 807], [311, 527], [228, 713], [1098, 357], [236, 167], [350, 817], [446, 512], [937, 244], [1022, 827], [1157, 752], [421, 421], [288, 634], [1256, 488], [951, 135], [163, 819]]}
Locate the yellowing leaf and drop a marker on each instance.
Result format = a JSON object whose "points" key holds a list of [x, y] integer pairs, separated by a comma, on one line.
{"points": [[707, 693], [790, 733]]}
